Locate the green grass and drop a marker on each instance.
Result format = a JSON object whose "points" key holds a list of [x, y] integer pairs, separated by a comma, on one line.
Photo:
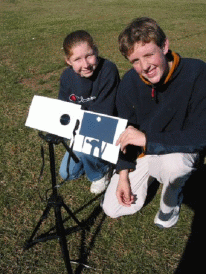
{"points": [[31, 36]]}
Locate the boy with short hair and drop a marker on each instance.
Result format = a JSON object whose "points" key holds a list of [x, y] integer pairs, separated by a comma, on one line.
{"points": [[164, 99]]}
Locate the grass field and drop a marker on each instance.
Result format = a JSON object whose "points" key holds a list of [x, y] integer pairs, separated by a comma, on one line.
{"points": [[31, 36]]}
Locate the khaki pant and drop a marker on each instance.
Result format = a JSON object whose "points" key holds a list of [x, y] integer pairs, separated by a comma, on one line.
{"points": [[171, 170]]}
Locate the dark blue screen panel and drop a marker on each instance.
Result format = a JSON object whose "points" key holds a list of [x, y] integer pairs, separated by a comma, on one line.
{"points": [[98, 127]]}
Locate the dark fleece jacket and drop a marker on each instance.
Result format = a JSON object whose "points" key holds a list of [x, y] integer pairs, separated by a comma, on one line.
{"points": [[173, 121], [96, 93]]}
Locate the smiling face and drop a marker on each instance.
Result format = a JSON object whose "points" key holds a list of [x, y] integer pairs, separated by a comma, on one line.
{"points": [[149, 60], [83, 59]]}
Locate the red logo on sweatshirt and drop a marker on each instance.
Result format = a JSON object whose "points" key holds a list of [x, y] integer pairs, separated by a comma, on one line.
{"points": [[73, 98], [78, 99]]}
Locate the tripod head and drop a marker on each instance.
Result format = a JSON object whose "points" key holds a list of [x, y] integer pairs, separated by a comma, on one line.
{"points": [[51, 138], [56, 140]]}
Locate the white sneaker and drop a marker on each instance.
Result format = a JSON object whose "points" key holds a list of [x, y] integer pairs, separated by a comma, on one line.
{"points": [[99, 186], [167, 220]]}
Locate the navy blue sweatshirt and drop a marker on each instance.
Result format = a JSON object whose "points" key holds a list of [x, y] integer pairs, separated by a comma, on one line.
{"points": [[175, 121], [96, 93]]}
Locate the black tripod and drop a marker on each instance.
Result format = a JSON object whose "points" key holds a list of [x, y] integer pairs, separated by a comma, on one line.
{"points": [[56, 202]]}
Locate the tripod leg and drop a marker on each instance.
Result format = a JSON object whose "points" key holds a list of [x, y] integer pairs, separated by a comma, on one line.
{"points": [[62, 239], [72, 215], [43, 217]]}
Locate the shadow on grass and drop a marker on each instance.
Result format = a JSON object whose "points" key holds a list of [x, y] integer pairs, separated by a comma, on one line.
{"points": [[193, 259], [193, 255], [86, 248], [83, 226]]}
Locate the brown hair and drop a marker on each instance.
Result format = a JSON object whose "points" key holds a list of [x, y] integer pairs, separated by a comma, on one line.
{"points": [[143, 30], [75, 38]]}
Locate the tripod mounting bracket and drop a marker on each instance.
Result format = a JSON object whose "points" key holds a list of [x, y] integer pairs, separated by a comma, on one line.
{"points": [[51, 138]]}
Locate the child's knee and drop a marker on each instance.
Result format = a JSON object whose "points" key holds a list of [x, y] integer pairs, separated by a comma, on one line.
{"points": [[109, 210], [63, 173], [116, 210], [110, 213]]}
